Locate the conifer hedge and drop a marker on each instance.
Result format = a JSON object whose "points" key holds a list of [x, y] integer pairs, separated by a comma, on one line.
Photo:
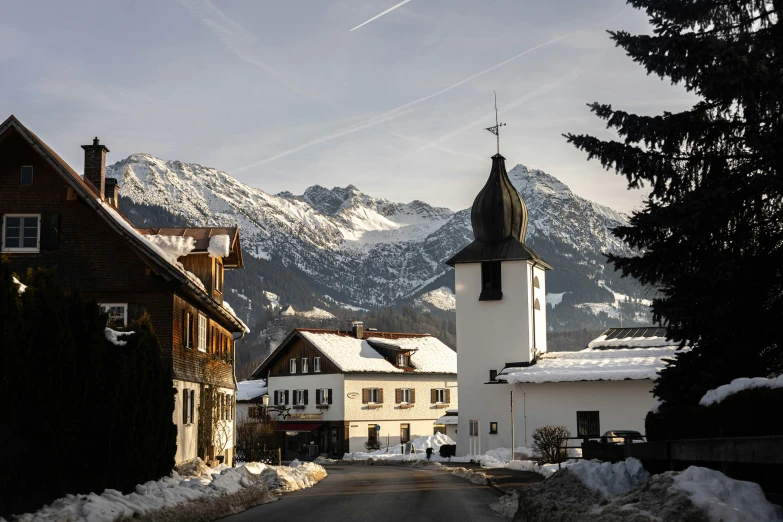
{"points": [[80, 414]]}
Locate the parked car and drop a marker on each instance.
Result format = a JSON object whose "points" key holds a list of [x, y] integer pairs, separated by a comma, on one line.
{"points": [[621, 437]]}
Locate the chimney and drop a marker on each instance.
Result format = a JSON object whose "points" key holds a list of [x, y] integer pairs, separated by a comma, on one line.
{"points": [[112, 193], [95, 165], [357, 327]]}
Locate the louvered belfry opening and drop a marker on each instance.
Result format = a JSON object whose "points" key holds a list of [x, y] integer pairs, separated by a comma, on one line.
{"points": [[498, 211]]}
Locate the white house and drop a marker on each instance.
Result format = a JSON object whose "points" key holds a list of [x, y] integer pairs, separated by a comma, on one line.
{"points": [[249, 395], [343, 389], [501, 333]]}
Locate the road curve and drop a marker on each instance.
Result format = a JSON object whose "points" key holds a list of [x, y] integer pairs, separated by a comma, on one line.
{"points": [[380, 493]]}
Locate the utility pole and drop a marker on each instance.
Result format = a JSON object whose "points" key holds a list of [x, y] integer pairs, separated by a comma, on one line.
{"points": [[512, 424]]}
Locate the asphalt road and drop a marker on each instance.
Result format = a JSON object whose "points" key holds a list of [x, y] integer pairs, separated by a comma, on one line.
{"points": [[380, 493]]}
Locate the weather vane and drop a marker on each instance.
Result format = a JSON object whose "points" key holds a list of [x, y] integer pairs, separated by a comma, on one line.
{"points": [[496, 129]]}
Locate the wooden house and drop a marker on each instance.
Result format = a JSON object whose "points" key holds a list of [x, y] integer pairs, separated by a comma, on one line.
{"points": [[53, 217]]}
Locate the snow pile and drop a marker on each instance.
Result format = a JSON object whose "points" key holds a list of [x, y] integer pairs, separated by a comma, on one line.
{"points": [[717, 395], [250, 390], [506, 506], [350, 354], [173, 246], [22, 287], [725, 499], [592, 365], [420, 445], [610, 479], [113, 336], [219, 246]]}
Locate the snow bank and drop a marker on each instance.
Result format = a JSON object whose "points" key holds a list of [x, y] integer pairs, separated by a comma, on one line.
{"points": [[197, 483], [173, 246], [610, 479], [725, 499], [420, 444], [113, 336], [717, 395], [219, 246]]}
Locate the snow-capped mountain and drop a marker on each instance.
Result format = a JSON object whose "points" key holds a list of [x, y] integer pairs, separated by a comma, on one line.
{"points": [[368, 252]]}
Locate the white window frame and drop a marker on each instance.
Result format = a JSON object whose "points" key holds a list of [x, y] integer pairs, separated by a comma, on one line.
{"points": [[405, 396], [21, 233], [316, 365], [440, 395], [292, 366], [106, 306], [322, 396], [373, 395], [305, 365], [298, 398], [403, 359], [202, 333]]}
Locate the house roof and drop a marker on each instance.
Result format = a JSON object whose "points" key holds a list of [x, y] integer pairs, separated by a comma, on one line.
{"points": [[251, 390], [630, 355], [155, 257], [352, 355], [201, 237]]}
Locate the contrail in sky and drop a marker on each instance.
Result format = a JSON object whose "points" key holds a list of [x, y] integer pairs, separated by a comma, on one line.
{"points": [[389, 10], [394, 113]]}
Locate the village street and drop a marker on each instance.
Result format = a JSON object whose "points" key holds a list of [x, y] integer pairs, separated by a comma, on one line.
{"points": [[378, 493]]}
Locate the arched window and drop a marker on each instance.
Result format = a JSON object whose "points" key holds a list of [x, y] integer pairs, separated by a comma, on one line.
{"points": [[536, 284], [536, 305]]}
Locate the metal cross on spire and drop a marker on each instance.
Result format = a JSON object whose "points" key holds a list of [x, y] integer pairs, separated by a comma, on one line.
{"points": [[496, 129]]}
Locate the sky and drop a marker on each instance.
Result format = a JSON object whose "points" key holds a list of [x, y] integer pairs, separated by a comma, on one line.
{"points": [[285, 95]]}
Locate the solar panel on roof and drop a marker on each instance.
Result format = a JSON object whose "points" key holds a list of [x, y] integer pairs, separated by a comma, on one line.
{"points": [[613, 333]]}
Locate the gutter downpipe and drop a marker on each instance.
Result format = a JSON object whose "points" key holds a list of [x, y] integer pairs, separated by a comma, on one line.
{"points": [[234, 338]]}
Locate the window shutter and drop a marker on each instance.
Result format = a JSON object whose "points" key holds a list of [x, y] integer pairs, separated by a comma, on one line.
{"points": [[192, 405], [185, 407], [50, 231], [413, 395], [305, 397], [433, 395], [398, 396], [365, 395], [318, 395], [448, 396], [380, 395], [329, 398], [285, 394], [184, 328], [276, 392]]}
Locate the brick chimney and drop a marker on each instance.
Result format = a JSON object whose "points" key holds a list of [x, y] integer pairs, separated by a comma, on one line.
{"points": [[112, 192], [95, 166]]}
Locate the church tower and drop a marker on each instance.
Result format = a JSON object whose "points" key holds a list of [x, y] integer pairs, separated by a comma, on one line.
{"points": [[501, 305]]}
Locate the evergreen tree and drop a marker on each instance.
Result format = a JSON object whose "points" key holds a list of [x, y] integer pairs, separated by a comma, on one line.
{"points": [[711, 228]]}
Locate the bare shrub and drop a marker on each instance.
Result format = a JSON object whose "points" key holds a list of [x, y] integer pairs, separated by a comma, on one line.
{"points": [[548, 442]]}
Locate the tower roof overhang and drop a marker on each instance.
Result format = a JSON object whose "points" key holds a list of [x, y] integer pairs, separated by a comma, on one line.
{"points": [[510, 249]]}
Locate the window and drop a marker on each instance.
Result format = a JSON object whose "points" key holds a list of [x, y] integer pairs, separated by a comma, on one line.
{"points": [[188, 406], [323, 396], [202, 333], [536, 304], [316, 365], [491, 288], [473, 425], [372, 433], [493, 375], [440, 395], [372, 395], [439, 428], [405, 433], [402, 359], [118, 313], [493, 428], [587, 424], [219, 276], [292, 366], [187, 333], [26, 175], [304, 365], [21, 232], [300, 397], [405, 395], [536, 284], [281, 397]]}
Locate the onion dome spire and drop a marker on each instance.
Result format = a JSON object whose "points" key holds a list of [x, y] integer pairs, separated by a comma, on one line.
{"points": [[499, 212]]}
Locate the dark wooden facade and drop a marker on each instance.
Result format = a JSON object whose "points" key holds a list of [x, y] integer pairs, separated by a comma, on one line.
{"points": [[297, 348], [92, 257]]}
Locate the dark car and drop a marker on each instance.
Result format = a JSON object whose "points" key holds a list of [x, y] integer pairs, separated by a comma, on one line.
{"points": [[621, 437]]}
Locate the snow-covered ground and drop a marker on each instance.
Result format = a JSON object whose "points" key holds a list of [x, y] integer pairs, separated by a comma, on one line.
{"points": [[194, 482]]}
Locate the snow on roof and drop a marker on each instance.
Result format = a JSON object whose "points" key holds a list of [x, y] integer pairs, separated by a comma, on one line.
{"points": [[592, 365], [250, 390], [232, 312], [219, 246], [448, 420], [350, 354], [737, 385], [174, 246]]}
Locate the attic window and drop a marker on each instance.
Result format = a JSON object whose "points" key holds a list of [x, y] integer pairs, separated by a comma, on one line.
{"points": [[491, 288], [26, 175], [403, 359]]}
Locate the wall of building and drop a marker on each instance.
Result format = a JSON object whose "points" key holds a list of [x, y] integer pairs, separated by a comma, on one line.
{"points": [[390, 415], [312, 382], [540, 315], [622, 405]]}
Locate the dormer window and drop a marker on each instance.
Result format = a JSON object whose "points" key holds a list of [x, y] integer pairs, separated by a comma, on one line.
{"points": [[491, 288], [403, 359]]}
